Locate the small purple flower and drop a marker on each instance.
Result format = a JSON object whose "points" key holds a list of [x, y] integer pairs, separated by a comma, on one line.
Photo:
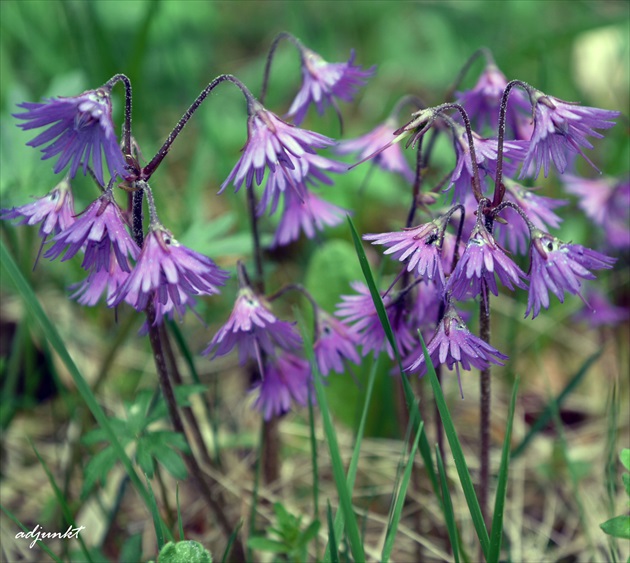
{"points": [[286, 152], [486, 155], [419, 246], [482, 103], [560, 131], [107, 280], [323, 82], [599, 311], [255, 329], [453, 344], [606, 202], [482, 259], [287, 379], [98, 230], [310, 215], [80, 128], [55, 211], [166, 270], [539, 209], [359, 309], [557, 266], [335, 343], [391, 159]]}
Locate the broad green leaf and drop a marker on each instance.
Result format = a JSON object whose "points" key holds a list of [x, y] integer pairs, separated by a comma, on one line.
{"points": [[624, 456], [144, 458], [97, 469], [260, 543], [619, 527], [172, 462]]}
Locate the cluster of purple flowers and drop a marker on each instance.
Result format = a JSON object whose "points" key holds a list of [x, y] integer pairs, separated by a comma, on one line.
{"points": [[155, 273]]}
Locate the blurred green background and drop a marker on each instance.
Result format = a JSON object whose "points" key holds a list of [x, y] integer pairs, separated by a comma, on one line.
{"points": [[575, 50]]}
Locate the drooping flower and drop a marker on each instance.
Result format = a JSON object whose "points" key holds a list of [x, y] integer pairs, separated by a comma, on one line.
{"points": [[335, 343], [599, 311], [79, 129], [391, 159], [98, 230], [360, 311], [557, 266], [483, 101], [420, 247], [287, 379], [606, 201], [254, 329], [98, 282], [486, 156], [323, 83], [166, 270], [560, 131], [482, 259], [309, 215], [453, 344], [55, 211], [539, 209], [286, 152]]}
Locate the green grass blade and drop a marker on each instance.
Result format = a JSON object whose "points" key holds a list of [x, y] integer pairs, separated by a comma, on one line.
{"points": [[180, 524], [546, 416], [83, 388], [230, 542], [314, 465], [412, 404], [354, 460], [449, 514], [352, 528], [65, 509], [458, 454], [157, 521], [496, 534], [332, 542], [40, 544], [392, 527]]}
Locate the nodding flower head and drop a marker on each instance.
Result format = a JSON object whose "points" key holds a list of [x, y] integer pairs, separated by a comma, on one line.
{"points": [[560, 131], [254, 329], [454, 345], [285, 152], [55, 211], [79, 130], [287, 380], [323, 83], [169, 273], [557, 266], [98, 230], [335, 343]]}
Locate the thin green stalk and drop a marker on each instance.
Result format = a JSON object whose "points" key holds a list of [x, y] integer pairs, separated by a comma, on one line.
{"points": [[449, 514], [314, 465], [40, 544]]}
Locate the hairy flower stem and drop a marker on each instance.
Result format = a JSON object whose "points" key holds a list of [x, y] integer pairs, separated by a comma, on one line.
{"points": [[126, 130], [482, 51], [499, 188], [150, 168], [484, 413], [188, 412], [189, 459], [272, 51]]}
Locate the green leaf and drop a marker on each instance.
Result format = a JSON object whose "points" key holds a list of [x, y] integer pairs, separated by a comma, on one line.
{"points": [[172, 462], [97, 469], [625, 478], [155, 514], [187, 551], [449, 515], [144, 458], [261, 543], [392, 526], [624, 456], [458, 454], [496, 534], [310, 533], [331, 550], [131, 550], [619, 527]]}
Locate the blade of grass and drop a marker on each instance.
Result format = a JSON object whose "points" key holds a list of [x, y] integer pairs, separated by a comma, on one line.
{"points": [[352, 528], [230, 542], [354, 461], [314, 465], [155, 514], [392, 526], [40, 544], [546, 416], [449, 515], [180, 524], [412, 404], [65, 509], [49, 329], [458, 454], [496, 534], [332, 542]]}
